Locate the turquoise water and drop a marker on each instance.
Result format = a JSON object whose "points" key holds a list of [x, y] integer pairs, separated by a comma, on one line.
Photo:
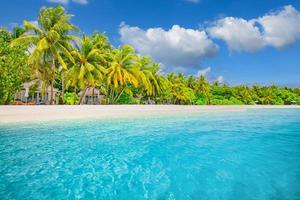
{"points": [[239, 155]]}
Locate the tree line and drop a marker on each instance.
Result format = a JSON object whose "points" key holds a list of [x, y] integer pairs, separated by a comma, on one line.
{"points": [[50, 51]]}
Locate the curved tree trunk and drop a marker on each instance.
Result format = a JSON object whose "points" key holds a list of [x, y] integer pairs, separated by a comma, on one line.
{"points": [[63, 87], [82, 96], [118, 97], [51, 92]]}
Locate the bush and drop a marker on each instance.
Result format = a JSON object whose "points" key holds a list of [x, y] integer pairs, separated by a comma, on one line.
{"points": [[71, 98], [201, 100]]}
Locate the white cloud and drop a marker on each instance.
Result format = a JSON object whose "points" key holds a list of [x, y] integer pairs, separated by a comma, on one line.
{"points": [[281, 28], [239, 34], [278, 29], [203, 72], [177, 47], [207, 73], [83, 2]]}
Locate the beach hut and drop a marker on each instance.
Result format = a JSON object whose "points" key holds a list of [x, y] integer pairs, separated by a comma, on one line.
{"points": [[33, 93], [92, 96]]}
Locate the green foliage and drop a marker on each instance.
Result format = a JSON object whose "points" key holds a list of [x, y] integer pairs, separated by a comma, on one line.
{"points": [[201, 100], [297, 100], [126, 98], [13, 67], [71, 98]]}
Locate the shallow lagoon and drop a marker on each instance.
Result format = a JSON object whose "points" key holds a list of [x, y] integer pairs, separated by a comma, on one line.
{"points": [[217, 155]]}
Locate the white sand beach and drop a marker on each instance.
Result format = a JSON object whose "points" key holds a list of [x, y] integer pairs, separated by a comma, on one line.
{"points": [[57, 112]]}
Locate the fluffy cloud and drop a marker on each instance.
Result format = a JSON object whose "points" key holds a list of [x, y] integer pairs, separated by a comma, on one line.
{"points": [[83, 2], [277, 29], [239, 34], [281, 28], [177, 47]]}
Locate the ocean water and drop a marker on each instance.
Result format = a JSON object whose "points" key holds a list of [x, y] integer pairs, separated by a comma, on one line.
{"points": [[221, 155]]}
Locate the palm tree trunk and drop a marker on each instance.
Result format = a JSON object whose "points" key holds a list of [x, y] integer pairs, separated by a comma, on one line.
{"points": [[63, 87], [52, 83], [111, 95], [82, 96], [118, 97], [51, 92]]}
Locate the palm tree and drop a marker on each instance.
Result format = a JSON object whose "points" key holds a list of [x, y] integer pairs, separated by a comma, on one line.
{"points": [[144, 68], [191, 82], [159, 82], [122, 72], [202, 87], [153, 82], [180, 93], [89, 65], [49, 39]]}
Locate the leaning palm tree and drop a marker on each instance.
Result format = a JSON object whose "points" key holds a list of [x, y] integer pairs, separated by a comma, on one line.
{"points": [[122, 72], [88, 69], [49, 39]]}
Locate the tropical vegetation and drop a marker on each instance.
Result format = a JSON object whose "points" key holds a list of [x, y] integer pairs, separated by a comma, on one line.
{"points": [[51, 51]]}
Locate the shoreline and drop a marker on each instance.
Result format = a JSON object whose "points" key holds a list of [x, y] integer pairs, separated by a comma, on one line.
{"points": [[13, 114]]}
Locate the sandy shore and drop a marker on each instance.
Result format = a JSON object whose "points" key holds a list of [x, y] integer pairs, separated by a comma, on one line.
{"points": [[60, 112]]}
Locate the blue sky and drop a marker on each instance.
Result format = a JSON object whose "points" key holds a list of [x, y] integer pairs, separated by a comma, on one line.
{"points": [[235, 41]]}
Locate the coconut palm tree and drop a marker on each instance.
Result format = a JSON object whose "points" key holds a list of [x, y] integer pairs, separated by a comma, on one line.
{"points": [[181, 94], [152, 81], [49, 39], [158, 81], [202, 87], [144, 69], [122, 72], [88, 69]]}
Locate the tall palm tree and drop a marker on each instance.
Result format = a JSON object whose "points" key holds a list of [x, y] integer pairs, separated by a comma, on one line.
{"points": [[49, 39], [202, 87], [122, 72], [144, 66], [89, 65], [152, 81]]}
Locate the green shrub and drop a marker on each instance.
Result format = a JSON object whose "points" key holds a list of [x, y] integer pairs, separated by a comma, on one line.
{"points": [[71, 98]]}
